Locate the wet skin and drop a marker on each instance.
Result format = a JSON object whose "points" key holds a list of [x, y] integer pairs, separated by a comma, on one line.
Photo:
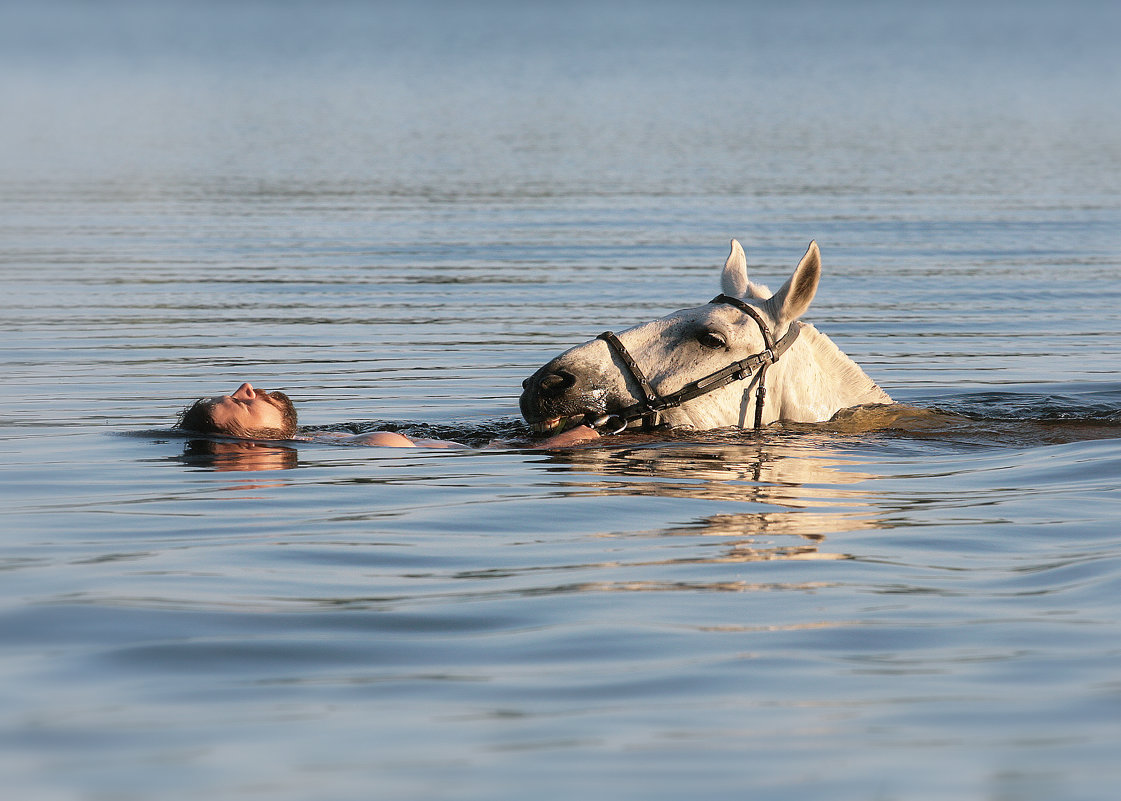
{"points": [[247, 408]]}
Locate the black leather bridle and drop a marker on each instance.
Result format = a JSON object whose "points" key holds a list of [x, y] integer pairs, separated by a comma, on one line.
{"points": [[651, 405]]}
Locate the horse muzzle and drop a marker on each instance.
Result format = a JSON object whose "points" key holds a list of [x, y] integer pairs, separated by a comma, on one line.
{"points": [[555, 399]]}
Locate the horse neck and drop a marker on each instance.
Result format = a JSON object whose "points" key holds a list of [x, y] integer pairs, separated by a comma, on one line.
{"points": [[816, 379]]}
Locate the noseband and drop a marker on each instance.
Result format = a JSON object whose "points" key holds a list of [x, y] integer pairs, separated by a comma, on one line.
{"points": [[651, 405]]}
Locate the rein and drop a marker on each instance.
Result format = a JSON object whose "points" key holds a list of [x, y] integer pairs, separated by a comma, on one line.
{"points": [[651, 405]]}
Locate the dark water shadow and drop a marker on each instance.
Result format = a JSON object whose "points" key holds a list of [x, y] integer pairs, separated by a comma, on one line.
{"points": [[511, 431]]}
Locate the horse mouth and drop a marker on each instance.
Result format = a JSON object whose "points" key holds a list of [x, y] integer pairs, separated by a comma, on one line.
{"points": [[602, 423], [551, 408], [557, 425]]}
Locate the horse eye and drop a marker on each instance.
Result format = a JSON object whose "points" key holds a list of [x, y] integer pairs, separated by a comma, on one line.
{"points": [[711, 339]]}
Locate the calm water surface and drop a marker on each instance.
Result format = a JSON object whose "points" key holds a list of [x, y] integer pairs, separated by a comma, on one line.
{"points": [[396, 212]]}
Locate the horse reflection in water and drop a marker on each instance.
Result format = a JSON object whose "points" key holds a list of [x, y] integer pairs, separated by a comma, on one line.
{"points": [[796, 491]]}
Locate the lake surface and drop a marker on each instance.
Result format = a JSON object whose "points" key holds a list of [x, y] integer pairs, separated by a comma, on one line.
{"points": [[395, 213]]}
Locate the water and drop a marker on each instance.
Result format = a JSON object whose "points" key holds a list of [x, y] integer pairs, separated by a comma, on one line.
{"points": [[397, 212]]}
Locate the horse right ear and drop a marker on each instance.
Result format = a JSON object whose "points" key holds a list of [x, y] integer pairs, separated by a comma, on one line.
{"points": [[796, 295], [733, 281]]}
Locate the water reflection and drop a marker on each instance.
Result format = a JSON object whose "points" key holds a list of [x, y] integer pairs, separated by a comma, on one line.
{"points": [[798, 491], [798, 474], [238, 455]]}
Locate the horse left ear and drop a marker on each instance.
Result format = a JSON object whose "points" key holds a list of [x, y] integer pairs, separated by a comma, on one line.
{"points": [[733, 281], [796, 295]]}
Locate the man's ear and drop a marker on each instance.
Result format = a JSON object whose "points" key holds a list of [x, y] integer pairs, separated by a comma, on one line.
{"points": [[733, 281], [796, 295]]}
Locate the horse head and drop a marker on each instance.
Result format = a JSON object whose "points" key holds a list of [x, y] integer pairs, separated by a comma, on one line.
{"points": [[704, 366]]}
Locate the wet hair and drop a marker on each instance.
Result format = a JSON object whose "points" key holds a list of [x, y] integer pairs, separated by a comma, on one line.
{"points": [[199, 417]]}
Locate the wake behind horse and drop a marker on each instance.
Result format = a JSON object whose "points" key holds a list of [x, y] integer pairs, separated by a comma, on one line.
{"points": [[744, 359]]}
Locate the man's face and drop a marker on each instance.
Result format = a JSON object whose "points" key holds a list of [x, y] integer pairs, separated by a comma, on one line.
{"points": [[246, 409], [247, 412]]}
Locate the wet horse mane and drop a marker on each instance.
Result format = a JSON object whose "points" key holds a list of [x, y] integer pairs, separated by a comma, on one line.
{"points": [[833, 361]]}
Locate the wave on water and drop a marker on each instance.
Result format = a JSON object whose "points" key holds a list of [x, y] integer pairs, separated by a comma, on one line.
{"points": [[1084, 403], [1012, 416]]}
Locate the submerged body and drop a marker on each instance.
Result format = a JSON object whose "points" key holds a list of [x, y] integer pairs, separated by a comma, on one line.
{"points": [[250, 414], [666, 363]]}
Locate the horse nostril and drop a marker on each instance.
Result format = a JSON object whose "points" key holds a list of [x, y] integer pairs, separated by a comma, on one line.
{"points": [[553, 384]]}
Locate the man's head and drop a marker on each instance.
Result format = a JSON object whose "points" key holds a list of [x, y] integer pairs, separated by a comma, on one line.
{"points": [[248, 413]]}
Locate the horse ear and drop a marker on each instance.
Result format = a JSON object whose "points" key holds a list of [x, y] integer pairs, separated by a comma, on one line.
{"points": [[733, 281], [796, 295]]}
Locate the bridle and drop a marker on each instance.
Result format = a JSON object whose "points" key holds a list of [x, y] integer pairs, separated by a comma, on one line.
{"points": [[651, 405]]}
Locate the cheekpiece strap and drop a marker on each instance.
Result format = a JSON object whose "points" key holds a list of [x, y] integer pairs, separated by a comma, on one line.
{"points": [[650, 399]]}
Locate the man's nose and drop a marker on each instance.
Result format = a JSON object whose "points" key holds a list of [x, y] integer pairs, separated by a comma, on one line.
{"points": [[245, 392]]}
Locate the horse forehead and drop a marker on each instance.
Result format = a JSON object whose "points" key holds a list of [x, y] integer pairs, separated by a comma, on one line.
{"points": [[690, 316], [682, 320]]}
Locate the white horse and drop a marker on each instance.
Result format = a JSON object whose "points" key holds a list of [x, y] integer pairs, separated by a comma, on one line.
{"points": [[742, 359]]}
